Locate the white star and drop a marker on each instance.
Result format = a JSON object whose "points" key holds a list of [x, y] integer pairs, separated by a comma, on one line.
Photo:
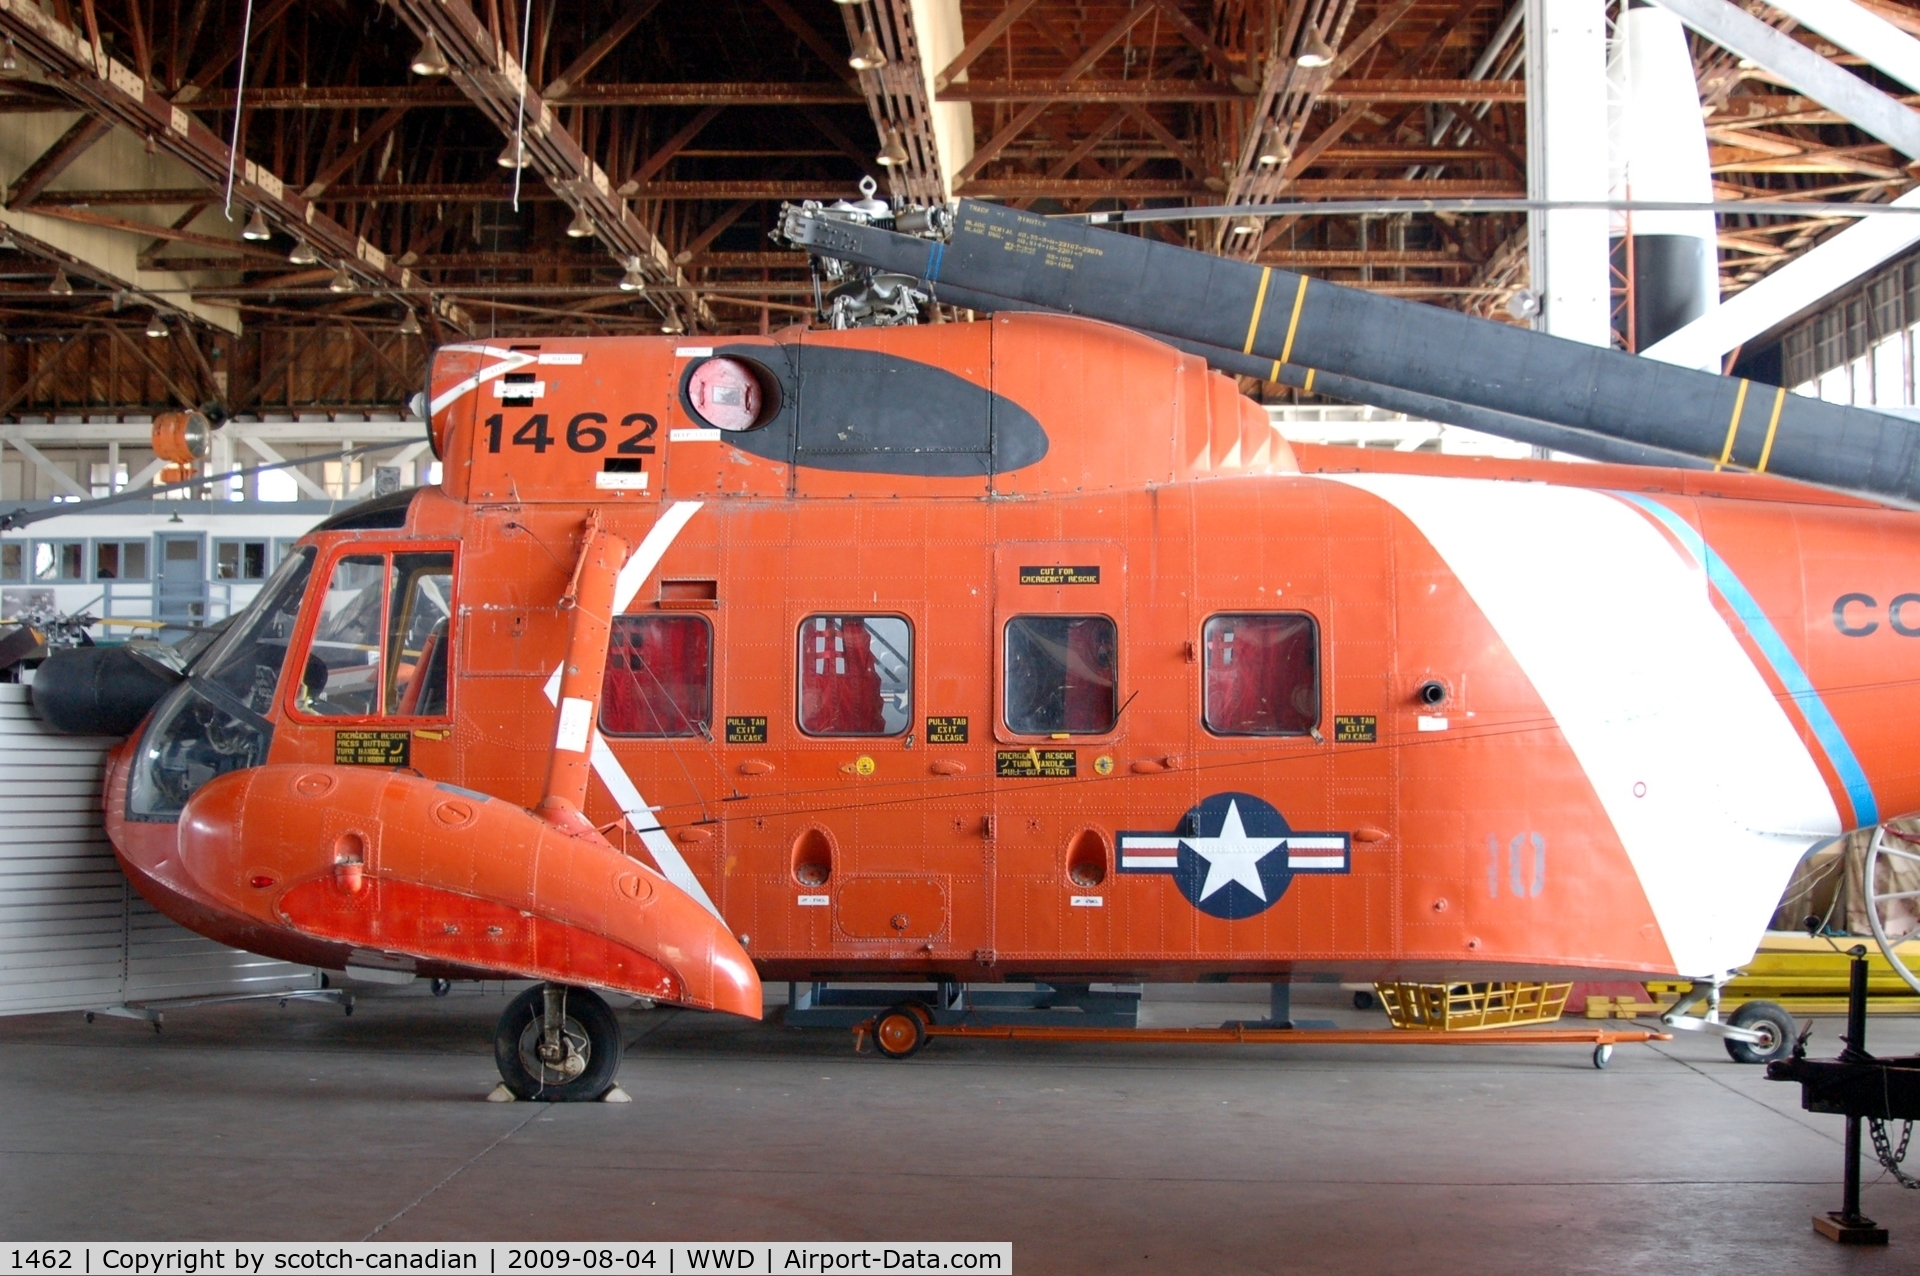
{"points": [[1233, 856]]}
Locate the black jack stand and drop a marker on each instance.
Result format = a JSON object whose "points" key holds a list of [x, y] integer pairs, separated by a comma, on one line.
{"points": [[1857, 1086]]}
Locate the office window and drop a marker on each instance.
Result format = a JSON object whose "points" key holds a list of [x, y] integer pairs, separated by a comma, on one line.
{"points": [[59, 560], [856, 675], [659, 679], [1062, 675], [120, 560], [240, 560], [1262, 674], [13, 561]]}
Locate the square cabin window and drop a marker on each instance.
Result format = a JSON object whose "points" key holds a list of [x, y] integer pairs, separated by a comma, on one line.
{"points": [[1262, 674], [856, 675], [240, 560], [59, 560], [13, 561], [1062, 675], [119, 560], [659, 680]]}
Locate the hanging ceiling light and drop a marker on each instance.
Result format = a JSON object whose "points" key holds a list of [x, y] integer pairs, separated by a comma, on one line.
{"points": [[1248, 227], [409, 324], [1314, 50], [256, 229], [892, 150], [303, 254], [6, 241], [515, 155], [430, 61], [9, 64], [1273, 148], [849, 2], [867, 54], [671, 325], [342, 281], [156, 326], [633, 280], [60, 287], [581, 227]]}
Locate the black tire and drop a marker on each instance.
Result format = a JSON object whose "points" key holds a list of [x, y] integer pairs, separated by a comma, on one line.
{"points": [[901, 1032], [1363, 1000], [1602, 1056], [589, 1026], [1776, 1026]]}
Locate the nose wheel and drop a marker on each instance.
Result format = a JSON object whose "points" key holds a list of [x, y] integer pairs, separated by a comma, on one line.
{"points": [[557, 1044]]}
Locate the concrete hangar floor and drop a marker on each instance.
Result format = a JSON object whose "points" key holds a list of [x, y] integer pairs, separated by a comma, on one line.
{"points": [[261, 1122]]}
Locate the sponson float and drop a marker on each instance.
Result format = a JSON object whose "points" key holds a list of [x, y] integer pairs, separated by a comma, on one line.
{"points": [[1021, 649]]}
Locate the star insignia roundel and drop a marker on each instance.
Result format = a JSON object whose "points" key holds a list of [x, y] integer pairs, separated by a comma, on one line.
{"points": [[1234, 856]]}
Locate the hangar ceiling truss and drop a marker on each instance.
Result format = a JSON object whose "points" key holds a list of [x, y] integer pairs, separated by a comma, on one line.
{"points": [[659, 138]]}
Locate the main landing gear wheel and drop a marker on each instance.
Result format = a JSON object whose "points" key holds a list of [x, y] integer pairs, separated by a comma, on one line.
{"points": [[901, 1031], [1774, 1025], [1893, 913], [564, 1053]]}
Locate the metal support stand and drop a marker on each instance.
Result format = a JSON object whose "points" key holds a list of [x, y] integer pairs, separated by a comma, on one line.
{"points": [[154, 1012], [1848, 1225], [1280, 1013]]}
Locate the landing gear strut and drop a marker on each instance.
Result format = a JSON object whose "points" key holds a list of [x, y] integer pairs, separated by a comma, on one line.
{"points": [[557, 1044]]}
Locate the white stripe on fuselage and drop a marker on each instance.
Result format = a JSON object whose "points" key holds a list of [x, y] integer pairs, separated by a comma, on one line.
{"points": [[1615, 629], [626, 794]]}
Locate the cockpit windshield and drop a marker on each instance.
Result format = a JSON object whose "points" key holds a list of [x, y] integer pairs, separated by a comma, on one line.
{"points": [[248, 663], [216, 722]]}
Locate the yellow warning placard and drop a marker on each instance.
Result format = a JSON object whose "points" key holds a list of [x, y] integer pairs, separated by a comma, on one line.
{"points": [[1035, 764], [1059, 575], [372, 748]]}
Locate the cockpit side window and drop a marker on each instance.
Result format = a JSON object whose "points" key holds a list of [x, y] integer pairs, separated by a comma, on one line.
{"points": [[381, 641], [419, 624]]}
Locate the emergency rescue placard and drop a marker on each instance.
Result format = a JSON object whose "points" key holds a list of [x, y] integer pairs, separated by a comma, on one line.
{"points": [[1035, 764], [751, 730], [372, 748], [1059, 575], [946, 730], [1356, 729]]}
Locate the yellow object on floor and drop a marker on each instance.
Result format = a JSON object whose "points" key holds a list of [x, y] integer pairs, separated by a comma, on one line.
{"points": [[1469, 1007], [1806, 975]]}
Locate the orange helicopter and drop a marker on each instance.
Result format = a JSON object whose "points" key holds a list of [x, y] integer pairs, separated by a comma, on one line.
{"points": [[1010, 650]]}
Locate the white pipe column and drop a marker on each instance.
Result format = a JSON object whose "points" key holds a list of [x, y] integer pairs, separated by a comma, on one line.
{"points": [[1567, 160]]}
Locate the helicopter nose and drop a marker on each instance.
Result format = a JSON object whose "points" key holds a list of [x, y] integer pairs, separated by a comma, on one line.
{"points": [[98, 690], [402, 864]]}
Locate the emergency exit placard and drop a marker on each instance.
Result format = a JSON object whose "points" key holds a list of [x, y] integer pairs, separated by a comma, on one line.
{"points": [[372, 748]]}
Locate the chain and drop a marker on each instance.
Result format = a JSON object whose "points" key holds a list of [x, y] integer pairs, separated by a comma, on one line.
{"points": [[1891, 1158]]}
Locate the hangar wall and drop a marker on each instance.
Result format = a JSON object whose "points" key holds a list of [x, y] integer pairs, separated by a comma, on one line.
{"points": [[73, 934]]}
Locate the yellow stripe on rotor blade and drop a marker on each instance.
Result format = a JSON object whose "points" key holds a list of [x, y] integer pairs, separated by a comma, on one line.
{"points": [[1773, 425], [1293, 324], [1259, 303], [1733, 426]]}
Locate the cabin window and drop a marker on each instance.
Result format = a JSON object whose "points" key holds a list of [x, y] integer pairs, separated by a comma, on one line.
{"points": [[13, 561], [120, 560], [240, 560], [856, 675], [659, 679], [1262, 674], [59, 560], [1062, 675], [419, 621]]}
